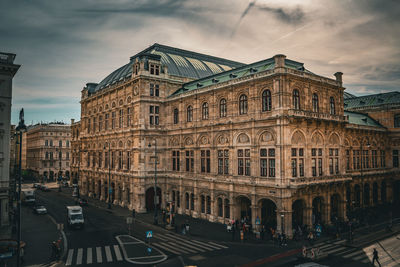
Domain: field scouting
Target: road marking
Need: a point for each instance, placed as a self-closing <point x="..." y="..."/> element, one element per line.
<point x="98" y="254"/>
<point x="218" y="245"/>
<point x="69" y="258"/>
<point x="117" y="253"/>
<point x="79" y="256"/>
<point x="334" y="250"/>
<point x="108" y="253"/>
<point x="187" y="243"/>
<point x="353" y="254"/>
<point x="167" y="249"/>
<point x="89" y="256"/>
<point x="160" y="237"/>
<point x="205" y="245"/>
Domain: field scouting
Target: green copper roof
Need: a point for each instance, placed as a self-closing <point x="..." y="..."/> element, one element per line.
<point x="361" y="119"/>
<point x="180" y="63"/>
<point x="372" y="100"/>
<point x="347" y="95"/>
<point x="245" y="70"/>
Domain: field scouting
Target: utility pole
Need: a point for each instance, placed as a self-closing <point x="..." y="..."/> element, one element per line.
<point x="20" y="128"/>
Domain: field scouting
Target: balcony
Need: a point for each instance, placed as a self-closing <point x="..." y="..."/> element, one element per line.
<point x="305" y="181"/>
<point x="317" y="115"/>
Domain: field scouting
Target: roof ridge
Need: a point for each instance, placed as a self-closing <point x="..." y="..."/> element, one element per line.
<point x="379" y="94"/>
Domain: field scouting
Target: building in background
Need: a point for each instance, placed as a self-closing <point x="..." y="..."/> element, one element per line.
<point x="75" y="151"/>
<point x="269" y="140"/>
<point x="48" y="149"/>
<point x="7" y="71"/>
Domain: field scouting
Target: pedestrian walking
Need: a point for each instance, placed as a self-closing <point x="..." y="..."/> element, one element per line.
<point x="375" y="258"/>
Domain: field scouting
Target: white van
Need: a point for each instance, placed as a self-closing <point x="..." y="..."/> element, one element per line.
<point x="75" y="216"/>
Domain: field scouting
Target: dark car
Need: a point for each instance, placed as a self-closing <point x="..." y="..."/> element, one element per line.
<point x="82" y="202"/>
<point x="39" y="209"/>
<point x="44" y="188"/>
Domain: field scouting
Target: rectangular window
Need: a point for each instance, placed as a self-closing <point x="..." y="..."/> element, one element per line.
<point x="154" y="69"/>
<point x="88" y="125"/>
<point x="333" y="161"/>
<point x="383" y="158"/>
<point x="347" y="159"/>
<point x="175" y="160"/>
<point x="205" y="161"/>
<point x="51" y="142"/>
<point x="189" y="160"/>
<point x="374" y="157"/>
<point x="100" y="123"/>
<point x="365" y="159"/>
<point x="112" y="160"/>
<point x="297" y="162"/>
<point x="267" y="162"/>
<point x="395" y="158"/>
<point x="106" y="159"/>
<point x="67" y="156"/>
<point x="120" y="160"/>
<point x="94" y="125"/>
<point x="243" y="161"/>
<point x="316" y="161"/>
<point x="128" y="160"/>
<point x="223" y="161"/>
<point x="100" y="157"/>
<point x="46" y="142"/>
<point x="154" y="113"/>
<point x="121" y="118"/>
<point x="60" y="143"/>
<point x="106" y="122"/>
<point x="128" y="117"/>
<point x="113" y="120"/>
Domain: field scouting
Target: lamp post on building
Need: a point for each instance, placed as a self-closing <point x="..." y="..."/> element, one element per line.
<point x="282" y="223"/>
<point x="20" y="128"/>
<point x="155" y="182"/>
<point x="109" y="174"/>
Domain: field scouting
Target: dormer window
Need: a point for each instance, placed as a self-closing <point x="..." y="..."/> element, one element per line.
<point x="154" y="69"/>
<point x="136" y="69"/>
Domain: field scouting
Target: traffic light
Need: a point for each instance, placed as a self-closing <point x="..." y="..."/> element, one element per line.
<point x="133" y="213"/>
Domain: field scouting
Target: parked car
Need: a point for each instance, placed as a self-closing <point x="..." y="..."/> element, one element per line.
<point x="44" y="188"/>
<point x="35" y="185"/>
<point x="82" y="202"/>
<point x="39" y="209"/>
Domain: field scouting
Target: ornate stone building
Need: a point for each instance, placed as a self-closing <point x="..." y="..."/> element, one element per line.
<point x="270" y="140"/>
<point x="7" y="71"/>
<point x="48" y="151"/>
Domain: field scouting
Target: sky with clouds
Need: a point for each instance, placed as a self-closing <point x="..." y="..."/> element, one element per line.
<point x="64" y="44"/>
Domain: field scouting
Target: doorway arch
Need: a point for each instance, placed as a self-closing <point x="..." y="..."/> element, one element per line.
<point x="383" y="192"/>
<point x="150" y="198"/>
<point x="366" y="195"/>
<point x="298" y="213"/>
<point x="317" y="210"/>
<point x="268" y="213"/>
<point x="244" y="207"/>
<point x="375" y="193"/>
<point x="335" y="207"/>
<point x="357" y="196"/>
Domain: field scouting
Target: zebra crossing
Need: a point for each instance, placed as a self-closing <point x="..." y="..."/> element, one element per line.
<point x="85" y="256"/>
<point x="178" y="245"/>
<point x="388" y="251"/>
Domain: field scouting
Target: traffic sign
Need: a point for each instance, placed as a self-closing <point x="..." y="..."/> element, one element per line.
<point x="149" y="234"/>
<point x="149" y="249"/>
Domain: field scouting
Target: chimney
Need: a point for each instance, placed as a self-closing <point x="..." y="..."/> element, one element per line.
<point x="279" y="61"/>
<point x="338" y="76"/>
<point x="72" y="121"/>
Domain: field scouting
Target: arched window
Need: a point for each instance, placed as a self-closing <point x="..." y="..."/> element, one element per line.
<point x="204" y="111"/>
<point x="203" y="204"/>
<point x="266" y="100"/>
<point x="189" y="113"/>
<point x="176" y="116"/>
<point x="191" y="201"/>
<point x="332" y="106"/>
<point x="227" y="208"/>
<point x="243" y="104"/>
<point x="296" y="99"/>
<point x="208" y="204"/>
<point x="315" y="106"/>
<point x="187" y="200"/>
<point x="222" y="108"/>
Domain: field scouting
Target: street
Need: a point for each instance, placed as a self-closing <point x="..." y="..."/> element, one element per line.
<point x="104" y="241"/>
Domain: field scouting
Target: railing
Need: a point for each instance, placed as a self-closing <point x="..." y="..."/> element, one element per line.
<point x="316" y="115"/>
<point x="319" y="180"/>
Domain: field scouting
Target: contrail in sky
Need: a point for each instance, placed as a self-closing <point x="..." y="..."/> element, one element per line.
<point x="251" y="4"/>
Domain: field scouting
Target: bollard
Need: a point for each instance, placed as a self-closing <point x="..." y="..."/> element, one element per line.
<point x="241" y="235"/>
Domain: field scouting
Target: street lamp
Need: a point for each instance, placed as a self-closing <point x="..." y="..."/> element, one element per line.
<point x="282" y="223"/>
<point x="20" y="128"/>
<point x="59" y="169"/>
<point x="109" y="174"/>
<point x="155" y="182"/>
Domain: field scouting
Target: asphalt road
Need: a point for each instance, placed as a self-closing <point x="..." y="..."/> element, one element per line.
<point x="103" y="242"/>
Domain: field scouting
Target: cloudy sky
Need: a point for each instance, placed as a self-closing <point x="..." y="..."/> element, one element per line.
<point x="64" y="44"/>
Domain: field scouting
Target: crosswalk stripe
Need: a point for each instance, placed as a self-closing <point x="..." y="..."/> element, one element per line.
<point x="69" y="257"/>
<point x="346" y="251"/>
<point x="323" y="247"/>
<point x="218" y="245"/>
<point x="160" y="237"/>
<point x="205" y="245"/>
<point x="117" y="253"/>
<point x="189" y="243"/>
<point x="365" y="260"/>
<point x="98" y="254"/>
<point x="180" y="248"/>
<point x="353" y="254"/>
<point x="89" y="256"/>
<point x="358" y="257"/>
<point x="79" y="256"/>
<point x="167" y="249"/>
<point x="335" y="250"/>
<point x="108" y="253"/>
